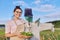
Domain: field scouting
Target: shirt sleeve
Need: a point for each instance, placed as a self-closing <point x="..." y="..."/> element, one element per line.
<point x="7" y="27"/>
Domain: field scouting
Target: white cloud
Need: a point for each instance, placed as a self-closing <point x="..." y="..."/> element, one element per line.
<point x="18" y="2"/>
<point x="44" y="8"/>
<point x="51" y="16"/>
<point x="54" y="15"/>
<point x="38" y="7"/>
<point x="36" y="2"/>
<point x="21" y="3"/>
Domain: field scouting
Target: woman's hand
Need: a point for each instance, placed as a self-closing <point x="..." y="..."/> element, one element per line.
<point x="27" y="37"/>
<point x="23" y="36"/>
<point x="20" y="36"/>
<point x="10" y="35"/>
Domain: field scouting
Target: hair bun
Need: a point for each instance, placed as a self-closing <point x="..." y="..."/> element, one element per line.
<point x="17" y="6"/>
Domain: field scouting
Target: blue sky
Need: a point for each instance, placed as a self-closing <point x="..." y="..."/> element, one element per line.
<point x="46" y="10"/>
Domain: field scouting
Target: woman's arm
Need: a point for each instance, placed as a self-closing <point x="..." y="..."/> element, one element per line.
<point x="8" y="30"/>
<point x="13" y="34"/>
<point x="10" y="35"/>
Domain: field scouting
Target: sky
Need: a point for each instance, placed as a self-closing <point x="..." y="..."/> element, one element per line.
<point x="46" y="10"/>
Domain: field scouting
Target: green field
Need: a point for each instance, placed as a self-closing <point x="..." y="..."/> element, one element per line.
<point x="49" y="35"/>
<point x="2" y="33"/>
<point x="44" y="35"/>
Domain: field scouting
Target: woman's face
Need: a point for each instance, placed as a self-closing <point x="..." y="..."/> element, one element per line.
<point x="17" y="13"/>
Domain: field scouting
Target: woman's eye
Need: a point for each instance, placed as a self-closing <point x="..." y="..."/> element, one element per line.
<point x="18" y="12"/>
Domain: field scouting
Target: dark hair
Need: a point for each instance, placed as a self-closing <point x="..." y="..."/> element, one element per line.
<point x="17" y="7"/>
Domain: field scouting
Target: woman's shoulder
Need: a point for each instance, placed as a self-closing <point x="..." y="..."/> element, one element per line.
<point x="9" y="21"/>
<point x="23" y="20"/>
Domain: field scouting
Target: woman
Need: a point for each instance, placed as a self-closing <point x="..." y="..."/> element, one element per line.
<point x="15" y="26"/>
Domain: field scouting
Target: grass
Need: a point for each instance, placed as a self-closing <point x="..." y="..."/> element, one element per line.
<point x="44" y="35"/>
<point x="2" y="33"/>
<point x="48" y="35"/>
<point x="2" y="30"/>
